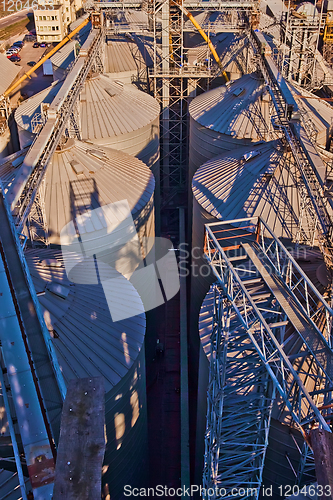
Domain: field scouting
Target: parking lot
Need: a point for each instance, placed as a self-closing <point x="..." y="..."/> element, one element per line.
<point x="37" y="80"/>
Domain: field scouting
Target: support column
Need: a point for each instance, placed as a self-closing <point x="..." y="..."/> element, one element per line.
<point x="322" y="445"/>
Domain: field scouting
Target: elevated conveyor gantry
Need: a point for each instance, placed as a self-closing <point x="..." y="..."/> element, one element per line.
<point x="271" y="335"/>
<point x="21" y="194"/>
<point x="26" y="348"/>
<point x="310" y="165"/>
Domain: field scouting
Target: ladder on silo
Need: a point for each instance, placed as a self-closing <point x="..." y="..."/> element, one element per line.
<point x="261" y="292"/>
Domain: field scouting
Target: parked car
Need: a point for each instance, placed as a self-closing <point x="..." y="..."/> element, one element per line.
<point x="43" y="44"/>
<point x="10" y="54"/>
<point x="32" y="32"/>
<point x="31" y="63"/>
<point x="19" y="44"/>
<point x="15" y="58"/>
<point x="14" y="49"/>
<point x="35" y="45"/>
<point x="29" y="38"/>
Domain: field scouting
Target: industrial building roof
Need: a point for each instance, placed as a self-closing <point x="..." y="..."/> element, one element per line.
<point x="78" y="21"/>
<point x="9" y="167"/>
<point x="132" y="19"/>
<point x="232" y="109"/>
<point x="111" y="109"/>
<point x="66" y="55"/>
<point x="26" y="111"/>
<point x="87" y="342"/>
<point x="9" y="72"/>
<point x="251" y="181"/>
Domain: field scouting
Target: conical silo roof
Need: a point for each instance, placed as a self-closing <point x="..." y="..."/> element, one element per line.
<point x="83" y="177"/>
<point x="87" y="341"/>
<point x="109" y="109"/>
<point x="232" y="109"/>
<point x="247" y="182"/>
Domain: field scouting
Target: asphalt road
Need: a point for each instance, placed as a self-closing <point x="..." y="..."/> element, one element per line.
<point x="14" y="18"/>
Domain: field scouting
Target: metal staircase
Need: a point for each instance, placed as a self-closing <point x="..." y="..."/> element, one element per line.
<point x="266" y="302"/>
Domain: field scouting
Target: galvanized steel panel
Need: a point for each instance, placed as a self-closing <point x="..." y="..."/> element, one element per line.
<point x="109" y="109"/>
<point x="86" y="340"/>
<point x="9" y="72"/>
<point x="231" y="187"/>
<point x="113" y="177"/>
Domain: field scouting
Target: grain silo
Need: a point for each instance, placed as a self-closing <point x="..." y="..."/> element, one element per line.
<point x="247" y="181"/>
<point x="121" y="117"/>
<point x="83" y="177"/>
<point x="88" y="343"/>
<point x="127" y="61"/>
<point x="31" y="113"/>
<point x="238" y="113"/>
<point x="228" y="117"/>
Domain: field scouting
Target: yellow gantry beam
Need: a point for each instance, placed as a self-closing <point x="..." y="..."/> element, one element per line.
<point x="205" y="37"/>
<point x="57" y="47"/>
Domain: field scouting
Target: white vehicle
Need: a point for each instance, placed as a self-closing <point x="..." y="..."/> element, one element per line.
<point x="11" y="51"/>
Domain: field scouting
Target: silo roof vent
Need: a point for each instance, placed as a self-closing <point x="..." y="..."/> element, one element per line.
<point x="237" y="92"/>
<point x="251" y="154"/>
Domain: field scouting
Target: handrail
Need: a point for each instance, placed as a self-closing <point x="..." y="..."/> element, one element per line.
<point x="230" y="285"/>
<point x="259" y="220"/>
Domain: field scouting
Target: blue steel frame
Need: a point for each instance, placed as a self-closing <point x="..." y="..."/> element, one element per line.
<point x="237" y="316"/>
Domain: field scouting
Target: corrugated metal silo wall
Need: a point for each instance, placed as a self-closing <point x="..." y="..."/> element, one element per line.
<point x="206" y="143"/>
<point x="126" y="455"/>
<point x="142" y="143"/>
<point x="201" y="279"/>
<point x="4" y="144"/>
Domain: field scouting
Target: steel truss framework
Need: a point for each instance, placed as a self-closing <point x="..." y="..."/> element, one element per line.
<point x="236" y="440"/>
<point x="256" y="295"/>
<point x="174" y="83"/>
<point x="13" y="458"/>
<point x="314" y="211"/>
<point x="56" y="130"/>
<point x="300" y="38"/>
